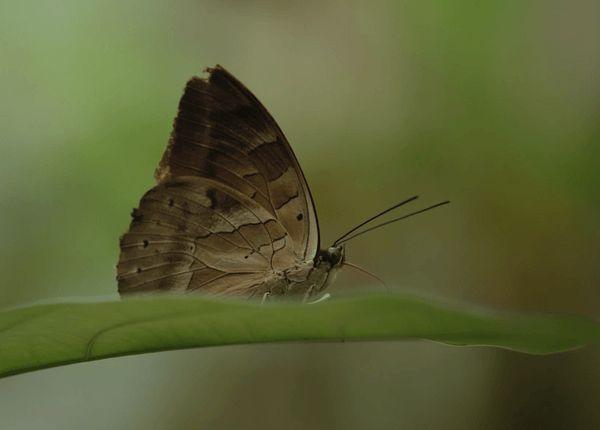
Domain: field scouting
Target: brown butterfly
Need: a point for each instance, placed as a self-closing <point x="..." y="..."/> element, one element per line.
<point x="232" y="213"/>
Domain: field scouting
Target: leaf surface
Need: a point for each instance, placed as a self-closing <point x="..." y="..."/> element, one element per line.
<point x="50" y="335"/>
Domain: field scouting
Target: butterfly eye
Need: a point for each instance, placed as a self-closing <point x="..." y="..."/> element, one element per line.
<point x="335" y="255"/>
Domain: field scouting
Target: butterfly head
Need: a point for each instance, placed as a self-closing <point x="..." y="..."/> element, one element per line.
<point x="329" y="261"/>
<point x="335" y="256"/>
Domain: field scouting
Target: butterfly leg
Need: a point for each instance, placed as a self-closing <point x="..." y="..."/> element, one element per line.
<point x="308" y="293"/>
<point x="265" y="297"/>
<point x="322" y="299"/>
<point x="251" y="295"/>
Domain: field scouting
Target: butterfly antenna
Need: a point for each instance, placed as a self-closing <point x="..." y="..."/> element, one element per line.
<point x="339" y="241"/>
<point x="367" y="272"/>
<point x="375" y="217"/>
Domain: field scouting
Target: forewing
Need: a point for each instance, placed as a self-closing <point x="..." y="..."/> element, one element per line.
<point x="224" y="133"/>
<point x="198" y="234"/>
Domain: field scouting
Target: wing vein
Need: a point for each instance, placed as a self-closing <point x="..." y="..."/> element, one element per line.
<point x="235" y="229"/>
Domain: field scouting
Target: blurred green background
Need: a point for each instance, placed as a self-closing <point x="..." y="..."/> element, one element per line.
<point x="493" y="105"/>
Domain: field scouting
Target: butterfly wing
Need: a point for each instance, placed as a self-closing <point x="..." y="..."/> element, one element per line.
<point x="196" y="233"/>
<point x="224" y="133"/>
<point x="231" y="206"/>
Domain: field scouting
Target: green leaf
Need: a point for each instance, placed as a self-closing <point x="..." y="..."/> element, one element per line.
<point x="44" y="336"/>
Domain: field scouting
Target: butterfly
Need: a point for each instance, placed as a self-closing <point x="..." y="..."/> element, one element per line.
<point x="231" y="213"/>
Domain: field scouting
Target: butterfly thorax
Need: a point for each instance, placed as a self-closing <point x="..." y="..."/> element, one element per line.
<point x="307" y="278"/>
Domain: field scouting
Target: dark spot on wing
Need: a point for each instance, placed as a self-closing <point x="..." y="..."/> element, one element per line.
<point x="299" y="217"/>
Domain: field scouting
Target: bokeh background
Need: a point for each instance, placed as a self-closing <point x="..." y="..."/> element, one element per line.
<point x="493" y="105"/>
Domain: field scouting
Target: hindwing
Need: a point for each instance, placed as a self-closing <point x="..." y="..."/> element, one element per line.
<point x="193" y="233"/>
